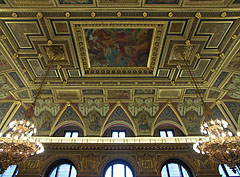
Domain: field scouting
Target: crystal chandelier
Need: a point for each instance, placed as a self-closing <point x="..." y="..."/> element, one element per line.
<point x="18" y="145"/>
<point x="220" y="144"/>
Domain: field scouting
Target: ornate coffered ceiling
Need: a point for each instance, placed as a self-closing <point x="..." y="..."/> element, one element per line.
<point x="126" y="53"/>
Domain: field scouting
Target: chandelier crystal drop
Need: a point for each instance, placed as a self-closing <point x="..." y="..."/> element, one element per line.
<point x="18" y="144"/>
<point x="220" y="144"/>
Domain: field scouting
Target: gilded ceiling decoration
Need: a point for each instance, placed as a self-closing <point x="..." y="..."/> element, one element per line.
<point x="119" y="61"/>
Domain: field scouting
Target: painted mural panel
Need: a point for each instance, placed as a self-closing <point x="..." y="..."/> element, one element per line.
<point x="118" y="47"/>
<point x="118" y="1"/>
<point x="17" y="79"/>
<point x="235" y="63"/>
<point x="4" y="65"/>
<point x="5" y="87"/>
<point x="4" y="107"/>
<point x="220" y="78"/>
<point x="119" y="115"/>
<point x="119" y="94"/>
<point x="233" y="87"/>
<point x="75" y="1"/>
<point x="162" y="1"/>
<point x="69" y="115"/>
<point x="234" y="108"/>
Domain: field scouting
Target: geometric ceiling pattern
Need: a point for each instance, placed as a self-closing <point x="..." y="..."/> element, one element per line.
<point x="125" y="54"/>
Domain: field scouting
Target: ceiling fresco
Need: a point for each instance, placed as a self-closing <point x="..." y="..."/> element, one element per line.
<point x="119" y="62"/>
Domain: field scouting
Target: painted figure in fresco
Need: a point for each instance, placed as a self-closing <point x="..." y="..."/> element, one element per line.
<point x="234" y="87"/>
<point x="192" y="121"/>
<point x="143" y="123"/>
<point x="94" y="122"/>
<point x="4" y="88"/>
<point x="119" y="47"/>
<point x="45" y="121"/>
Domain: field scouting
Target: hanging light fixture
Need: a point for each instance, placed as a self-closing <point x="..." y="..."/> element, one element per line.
<point x="18" y="144"/>
<point x="220" y="144"/>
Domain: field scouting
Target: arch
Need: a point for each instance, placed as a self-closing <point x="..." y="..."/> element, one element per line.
<point x="220" y="114"/>
<point x="171" y="123"/>
<point x="118" y="123"/>
<point x="181" y="162"/>
<point x="53" y="161"/>
<point x="61" y="113"/>
<point x="107" y="161"/>
<point x="68" y="123"/>
<point x="119" y="106"/>
<point x="17" y="112"/>
<point x="179" y="123"/>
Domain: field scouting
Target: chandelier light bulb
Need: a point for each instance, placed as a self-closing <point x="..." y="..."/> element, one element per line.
<point x="18" y="145"/>
<point x="224" y="135"/>
<point x="8" y="135"/>
<point x="212" y="122"/>
<point x="220" y="144"/>
<point x="230" y="134"/>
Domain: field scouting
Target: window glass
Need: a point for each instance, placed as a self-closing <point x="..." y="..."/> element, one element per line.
<point x="53" y="174"/>
<point x="74" y="134"/>
<point x="11" y="171"/>
<point x="224" y="168"/>
<point x="128" y="172"/>
<point x="184" y="171"/>
<point x="114" y="134"/>
<point x="63" y="170"/>
<point x="118" y="170"/>
<point x="221" y="172"/>
<point x="164" y="172"/>
<point x="170" y="133"/>
<point x="122" y="134"/>
<point x="73" y="172"/>
<point x="108" y="172"/>
<point x="67" y="134"/>
<point x="118" y="134"/>
<point x="163" y="133"/>
<point x="173" y="169"/>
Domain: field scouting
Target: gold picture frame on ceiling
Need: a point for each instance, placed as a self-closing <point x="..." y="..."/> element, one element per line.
<point x="85" y="33"/>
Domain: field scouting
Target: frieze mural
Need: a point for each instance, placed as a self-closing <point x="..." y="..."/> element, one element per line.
<point x="140" y="104"/>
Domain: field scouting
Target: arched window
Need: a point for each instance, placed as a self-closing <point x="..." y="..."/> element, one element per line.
<point x="175" y="168"/>
<point x="118" y="168"/>
<point x="69" y="131"/>
<point x="62" y="168"/>
<point x="225" y="171"/>
<point x="118" y="131"/>
<point x="167" y="130"/>
<point x="11" y="171"/>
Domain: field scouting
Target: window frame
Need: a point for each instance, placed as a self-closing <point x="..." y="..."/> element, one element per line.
<point x="118" y="131"/>
<point x="71" y="131"/>
<point x="166" y="132"/>
<point x="118" y="161"/>
<point x="15" y="172"/>
<point x="180" y="165"/>
<point x="225" y="170"/>
<point x="56" y="164"/>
